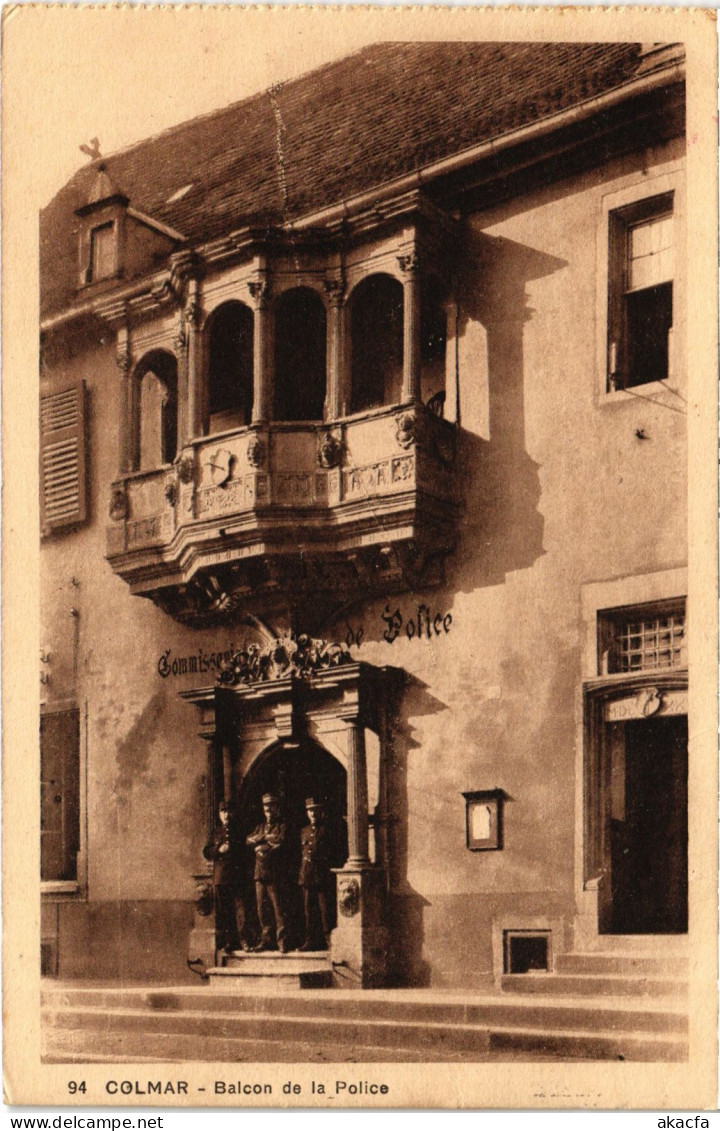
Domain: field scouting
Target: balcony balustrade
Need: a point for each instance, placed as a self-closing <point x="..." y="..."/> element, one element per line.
<point x="263" y="516"/>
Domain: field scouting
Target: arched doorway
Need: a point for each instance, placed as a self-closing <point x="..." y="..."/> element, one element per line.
<point x="293" y="772"/>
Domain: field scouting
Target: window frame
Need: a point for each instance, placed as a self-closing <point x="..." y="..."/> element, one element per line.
<point x="622" y="222"/>
<point x="628" y="202"/>
<point x="73" y="888"/>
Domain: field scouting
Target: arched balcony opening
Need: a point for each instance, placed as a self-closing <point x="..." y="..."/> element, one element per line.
<point x="377" y="343"/>
<point x="433" y="343"/>
<point x="156" y="415"/>
<point x="300" y="355"/>
<point x="230" y="367"/>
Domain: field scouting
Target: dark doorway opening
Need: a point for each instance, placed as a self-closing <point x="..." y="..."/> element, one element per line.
<point x="649" y="826"/>
<point x="293" y="772"/>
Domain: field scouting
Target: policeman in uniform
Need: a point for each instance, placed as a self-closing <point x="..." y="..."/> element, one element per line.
<point x="315" y="876"/>
<point x="224" y="851"/>
<point x="269" y="840"/>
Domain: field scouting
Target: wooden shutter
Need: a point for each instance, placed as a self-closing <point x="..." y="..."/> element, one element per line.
<point x="63" y="487"/>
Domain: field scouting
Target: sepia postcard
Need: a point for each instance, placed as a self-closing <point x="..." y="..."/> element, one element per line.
<point x="359" y="436"/>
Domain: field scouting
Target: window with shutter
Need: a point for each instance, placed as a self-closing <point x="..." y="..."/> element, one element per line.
<point x="63" y="488"/>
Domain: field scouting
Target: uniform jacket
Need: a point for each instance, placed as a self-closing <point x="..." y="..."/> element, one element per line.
<point x="269" y="842"/>
<point x="315" y="858"/>
<point x="226" y="865"/>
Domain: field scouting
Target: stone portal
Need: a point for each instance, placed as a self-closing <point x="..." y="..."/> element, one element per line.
<point x="297" y="733"/>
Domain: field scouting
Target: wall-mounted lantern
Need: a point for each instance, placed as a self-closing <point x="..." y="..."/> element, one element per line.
<point x="483" y="819"/>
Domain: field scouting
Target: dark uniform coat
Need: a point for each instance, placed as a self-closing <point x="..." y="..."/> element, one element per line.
<point x="269" y="842"/>
<point x="226" y="865"/>
<point x="316" y="856"/>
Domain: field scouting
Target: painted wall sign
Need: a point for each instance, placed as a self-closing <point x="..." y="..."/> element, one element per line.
<point x="424" y="624"/>
<point x="199" y="662"/>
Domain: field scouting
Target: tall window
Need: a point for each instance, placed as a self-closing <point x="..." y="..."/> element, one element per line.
<point x="641" y="292"/>
<point x="230" y="367"/>
<point x="300" y="355"/>
<point x="156" y="410"/>
<point x="60" y="794"/>
<point x="377" y="343"/>
<point x="102" y="252"/>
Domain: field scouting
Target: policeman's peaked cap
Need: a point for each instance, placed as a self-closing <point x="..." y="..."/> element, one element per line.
<point x="311" y="803"/>
<point x="268" y="797"/>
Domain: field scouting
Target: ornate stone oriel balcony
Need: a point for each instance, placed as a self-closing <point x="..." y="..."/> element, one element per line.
<point x="264" y="517"/>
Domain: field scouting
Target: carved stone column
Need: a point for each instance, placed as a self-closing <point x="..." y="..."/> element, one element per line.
<point x="358" y="947"/>
<point x="262" y="352"/>
<point x="202" y="941"/>
<point x="180" y="344"/>
<point x="336" y="396"/>
<point x="357" y="790"/>
<point x="123" y="359"/>
<point x="410" y="268"/>
<point x="195" y="376"/>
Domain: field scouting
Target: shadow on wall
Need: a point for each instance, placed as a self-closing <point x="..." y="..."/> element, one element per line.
<point x="502" y="530"/>
<point x="406" y="963"/>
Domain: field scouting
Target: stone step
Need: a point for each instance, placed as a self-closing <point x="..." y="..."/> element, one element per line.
<point x="582" y="1044"/>
<point x="67" y="1047"/>
<point x="75" y="1034"/>
<point x="675" y="966"/>
<point x="331" y="1031"/>
<point x="601" y="984"/>
<point x="163" y="1012"/>
<point x="661" y="946"/>
<point x="269" y="969"/>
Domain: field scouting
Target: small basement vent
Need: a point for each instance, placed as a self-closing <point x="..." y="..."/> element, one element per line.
<point x="527" y="952"/>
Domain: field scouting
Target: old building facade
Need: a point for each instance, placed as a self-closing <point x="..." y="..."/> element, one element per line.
<point x="363" y="471"/>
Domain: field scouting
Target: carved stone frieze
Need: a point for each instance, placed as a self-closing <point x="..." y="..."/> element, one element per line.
<point x="222" y="499"/>
<point x="186" y="469"/>
<point x="405" y="429"/>
<point x="335" y="291"/>
<point x="409" y="264"/>
<point x="329" y="451"/>
<point x="123" y="360"/>
<point x="256" y="451"/>
<point x="118" y="504"/>
<point x="348" y="897"/>
<point x="300" y="656"/>
<point x="259" y="291"/>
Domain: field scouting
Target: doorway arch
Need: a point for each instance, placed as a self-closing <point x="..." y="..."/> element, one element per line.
<point x="293" y="772"/>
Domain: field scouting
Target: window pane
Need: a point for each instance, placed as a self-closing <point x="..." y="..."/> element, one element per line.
<point x="650" y="252"/>
<point x="102" y="259"/>
<point x="648" y="321"/>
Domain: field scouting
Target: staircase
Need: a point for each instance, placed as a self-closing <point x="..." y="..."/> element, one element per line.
<point x="272" y="970"/>
<point x="595" y="1006"/>
<point x="632" y="982"/>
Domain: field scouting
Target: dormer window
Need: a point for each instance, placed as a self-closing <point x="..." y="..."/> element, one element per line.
<point x="102" y="253"/>
<point x="103" y="222"/>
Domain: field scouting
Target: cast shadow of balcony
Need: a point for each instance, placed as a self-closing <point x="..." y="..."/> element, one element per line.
<point x="502" y="528"/>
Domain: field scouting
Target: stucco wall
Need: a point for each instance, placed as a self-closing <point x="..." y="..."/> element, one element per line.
<point x="558" y="491"/>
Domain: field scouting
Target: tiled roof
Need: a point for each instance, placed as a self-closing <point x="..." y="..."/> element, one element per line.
<point x="338" y="131"/>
